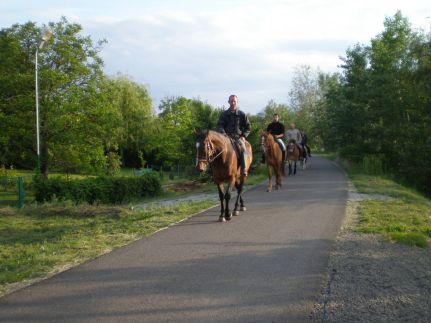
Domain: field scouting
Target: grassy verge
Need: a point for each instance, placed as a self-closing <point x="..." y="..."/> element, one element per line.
<point x="405" y="217"/>
<point x="39" y="240"/>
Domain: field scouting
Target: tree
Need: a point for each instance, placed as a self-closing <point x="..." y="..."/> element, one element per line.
<point x="77" y="119"/>
<point x="133" y="103"/>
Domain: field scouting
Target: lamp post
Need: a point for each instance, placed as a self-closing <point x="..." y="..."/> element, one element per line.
<point x="46" y="36"/>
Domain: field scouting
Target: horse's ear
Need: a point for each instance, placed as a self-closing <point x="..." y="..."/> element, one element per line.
<point x="195" y="133"/>
<point x="208" y="132"/>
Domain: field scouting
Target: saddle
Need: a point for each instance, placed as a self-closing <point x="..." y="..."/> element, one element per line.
<point x="237" y="148"/>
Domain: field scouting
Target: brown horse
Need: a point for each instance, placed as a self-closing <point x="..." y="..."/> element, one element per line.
<point x="274" y="159"/>
<point x="217" y="150"/>
<point x="292" y="155"/>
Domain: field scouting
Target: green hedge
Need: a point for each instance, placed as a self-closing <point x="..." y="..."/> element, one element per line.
<point x="106" y="190"/>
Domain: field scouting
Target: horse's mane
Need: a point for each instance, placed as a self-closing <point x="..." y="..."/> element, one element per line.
<point x="218" y="135"/>
<point x="270" y="142"/>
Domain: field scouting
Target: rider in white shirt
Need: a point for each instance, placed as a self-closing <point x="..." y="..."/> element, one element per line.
<point x="294" y="135"/>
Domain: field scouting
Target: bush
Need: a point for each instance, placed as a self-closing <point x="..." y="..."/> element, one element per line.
<point x="106" y="190"/>
<point x="372" y="165"/>
<point x="113" y="164"/>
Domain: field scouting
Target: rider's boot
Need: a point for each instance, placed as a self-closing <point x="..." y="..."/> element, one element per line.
<point x="242" y="161"/>
<point x="263" y="158"/>
<point x="283" y="156"/>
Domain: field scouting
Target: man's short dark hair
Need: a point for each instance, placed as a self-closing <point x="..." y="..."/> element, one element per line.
<point x="233" y="95"/>
<point x="275" y="114"/>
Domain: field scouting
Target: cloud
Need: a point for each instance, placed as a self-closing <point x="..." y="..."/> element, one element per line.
<point x="211" y="49"/>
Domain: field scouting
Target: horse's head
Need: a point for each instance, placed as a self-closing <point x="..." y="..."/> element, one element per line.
<point x="204" y="150"/>
<point x="291" y="146"/>
<point x="266" y="139"/>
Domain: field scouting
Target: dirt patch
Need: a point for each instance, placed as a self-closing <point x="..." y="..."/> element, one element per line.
<point x="186" y="186"/>
<point x="371" y="280"/>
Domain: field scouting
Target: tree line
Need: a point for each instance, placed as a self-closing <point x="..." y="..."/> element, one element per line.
<point x="377" y="108"/>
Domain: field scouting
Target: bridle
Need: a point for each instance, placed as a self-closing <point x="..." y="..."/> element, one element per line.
<point x="264" y="143"/>
<point x="209" y="151"/>
<point x="291" y="146"/>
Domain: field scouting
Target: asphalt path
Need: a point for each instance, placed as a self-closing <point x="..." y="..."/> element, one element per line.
<point x="266" y="265"/>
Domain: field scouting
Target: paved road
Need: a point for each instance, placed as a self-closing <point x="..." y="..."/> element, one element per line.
<point x="266" y="265"/>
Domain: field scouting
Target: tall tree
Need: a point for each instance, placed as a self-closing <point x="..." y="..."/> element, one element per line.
<point x="77" y="119"/>
<point x="133" y="102"/>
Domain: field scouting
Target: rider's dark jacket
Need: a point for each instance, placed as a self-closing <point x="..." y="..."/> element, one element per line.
<point x="233" y="123"/>
<point x="275" y="128"/>
<point x="304" y="139"/>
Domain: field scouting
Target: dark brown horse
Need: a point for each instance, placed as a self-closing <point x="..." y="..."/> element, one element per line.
<point x="217" y="150"/>
<point x="293" y="154"/>
<point x="274" y="159"/>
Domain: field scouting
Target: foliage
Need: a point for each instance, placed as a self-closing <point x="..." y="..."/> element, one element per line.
<point x="77" y="119"/>
<point x="380" y="106"/>
<point x="133" y="103"/>
<point x="173" y="138"/>
<point x="107" y="190"/>
<point x="113" y="162"/>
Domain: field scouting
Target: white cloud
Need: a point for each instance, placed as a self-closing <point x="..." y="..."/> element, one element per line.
<point x="211" y="49"/>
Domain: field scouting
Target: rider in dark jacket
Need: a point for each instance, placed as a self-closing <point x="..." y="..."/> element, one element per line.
<point x="277" y="130"/>
<point x="305" y="143"/>
<point x="235" y="124"/>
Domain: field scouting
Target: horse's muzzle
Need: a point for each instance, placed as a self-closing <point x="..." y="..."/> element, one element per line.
<point x="201" y="166"/>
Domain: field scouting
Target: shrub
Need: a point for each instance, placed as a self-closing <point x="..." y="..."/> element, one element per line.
<point x="107" y="190"/>
<point x="113" y="164"/>
<point x="372" y="165"/>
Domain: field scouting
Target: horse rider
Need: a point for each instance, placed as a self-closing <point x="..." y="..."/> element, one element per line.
<point x="276" y="129"/>
<point x="295" y="135"/>
<point x="234" y="123"/>
<point x="305" y="143"/>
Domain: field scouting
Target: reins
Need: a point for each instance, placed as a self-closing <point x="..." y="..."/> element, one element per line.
<point x="209" y="151"/>
<point x="210" y="160"/>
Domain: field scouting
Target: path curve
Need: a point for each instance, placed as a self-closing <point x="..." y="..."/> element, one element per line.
<point x="267" y="265"/>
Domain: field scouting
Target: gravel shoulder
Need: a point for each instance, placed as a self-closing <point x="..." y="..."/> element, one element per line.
<point x="371" y="280"/>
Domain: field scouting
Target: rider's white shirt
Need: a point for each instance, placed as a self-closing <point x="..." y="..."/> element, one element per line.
<point x="294" y="134"/>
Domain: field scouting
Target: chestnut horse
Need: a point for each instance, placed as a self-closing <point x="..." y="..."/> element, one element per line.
<point x="216" y="150"/>
<point x="274" y="159"/>
<point x="292" y="155"/>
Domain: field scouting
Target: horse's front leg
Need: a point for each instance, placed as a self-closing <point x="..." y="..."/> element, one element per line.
<point x="239" y="187"/>
<point x="221" y="196"/>
<point x="269" y="189"/>
<point x="294" y="168"/>
<point x="227" y="196"/>
<point x="242" y="204"/>
<point x="290" y="167"/>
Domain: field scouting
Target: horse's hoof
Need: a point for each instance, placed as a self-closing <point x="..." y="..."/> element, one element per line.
<point x="228" y="218"/>
<point x="243" y="208"/>
<point x="268" y="190"/>
<point x="221" y="219"/>
<point x="236" y="213"/>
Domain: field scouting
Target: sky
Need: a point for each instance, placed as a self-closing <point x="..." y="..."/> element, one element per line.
<point x="211" y="49"/>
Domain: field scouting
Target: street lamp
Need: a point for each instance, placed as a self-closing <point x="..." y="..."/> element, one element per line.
<point x="45" y="37"/>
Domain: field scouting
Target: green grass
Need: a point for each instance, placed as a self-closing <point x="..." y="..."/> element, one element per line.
<point x="38" y="240"/>
<point x="407" y="222"/>
<point x="42" y="239"/>
<point x="404" y="218"/>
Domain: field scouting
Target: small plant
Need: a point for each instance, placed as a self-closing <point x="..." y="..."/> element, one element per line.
<point x="113" y="163"/>
<point x="372" y="165"/>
